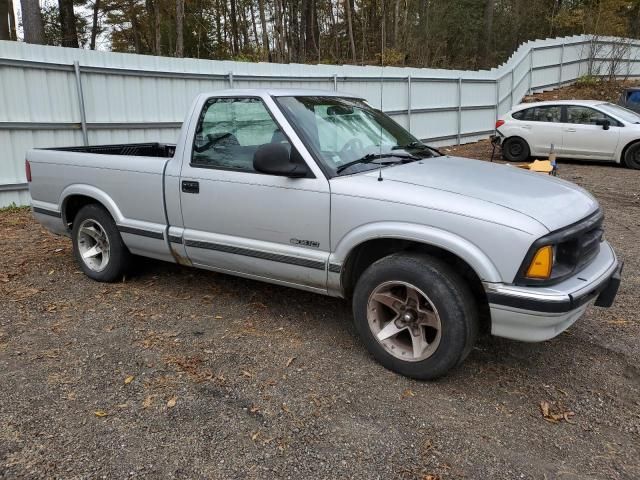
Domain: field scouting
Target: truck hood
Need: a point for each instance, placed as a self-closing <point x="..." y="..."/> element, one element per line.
<point x="553" y="202"/>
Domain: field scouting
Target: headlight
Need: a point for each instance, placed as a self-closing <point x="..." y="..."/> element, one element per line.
<point x="561" y="253"/>
<point x="542" y="264"/>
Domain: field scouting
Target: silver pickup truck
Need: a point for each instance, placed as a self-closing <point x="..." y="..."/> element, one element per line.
<point x="318" y="191"/>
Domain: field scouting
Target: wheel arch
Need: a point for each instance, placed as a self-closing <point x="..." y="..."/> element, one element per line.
<point x="519" y="137"/>
<point x="623" y="152"/>
<point x="74" y="197"/>
<point x="358" y="250"/>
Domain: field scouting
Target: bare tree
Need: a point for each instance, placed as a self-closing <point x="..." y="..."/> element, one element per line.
<point x="12" y="21"/>
<point x="352" y="43"/>
<point x="32" y="21"/>
<point x="234" y="28"/>
<point x="485" y="40"/>
<point x="94" y="24"/>
<point x="180" y="28"/>
<point x="265" y="34"/>
<point x="68" y="24"/>
<point x="4" y="20"/>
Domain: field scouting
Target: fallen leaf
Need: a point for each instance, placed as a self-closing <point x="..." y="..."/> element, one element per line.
<point x="285" y="408"/>
<point x="147" y="402"/>
<point x="254" y="409"/>
<point x="247" y="374"/>
<point x="100" y="413"/>
<point x="290" y="361"/>
<point x="407" y="393"/>
<point x="218" y="317"/>
<point x="255" y="435"/>
<point x="128" y="380"/>
<point x="172" y="402"/>
<point x="555" y="415"/>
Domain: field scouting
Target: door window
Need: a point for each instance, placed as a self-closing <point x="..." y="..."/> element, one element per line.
<point x="229" y="132"/>
<point x="586" y="116"/>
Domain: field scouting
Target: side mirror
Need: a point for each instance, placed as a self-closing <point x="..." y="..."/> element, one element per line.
<point x="604" y="123"/>
<point x="275" y="159"/>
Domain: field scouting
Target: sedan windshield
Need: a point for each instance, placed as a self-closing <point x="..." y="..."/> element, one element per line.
<point x="620" y="112"/>
<point x="348" y="136"/>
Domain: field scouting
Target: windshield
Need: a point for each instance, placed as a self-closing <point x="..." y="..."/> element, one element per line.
<point x="348" y="136"/>
<point x="620" y="112"/>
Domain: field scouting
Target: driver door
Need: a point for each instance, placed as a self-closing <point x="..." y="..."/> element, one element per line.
<point x="239" y="221"/>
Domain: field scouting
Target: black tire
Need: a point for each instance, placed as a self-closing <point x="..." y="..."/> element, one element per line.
<point x="118" y="258"/>
<point x="515" y="149"/>
<point x="632" y="157"/>
<point x="451" y="299"/>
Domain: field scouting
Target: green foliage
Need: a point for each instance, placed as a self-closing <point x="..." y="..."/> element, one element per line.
<point x="13" y="208"/>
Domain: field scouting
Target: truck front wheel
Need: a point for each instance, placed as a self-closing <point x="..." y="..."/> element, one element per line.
<point x="415" y="314"/>
<point x="97" y="245"/>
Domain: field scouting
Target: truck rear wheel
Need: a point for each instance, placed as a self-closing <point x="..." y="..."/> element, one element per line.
<point x="415" y="314"/>
<point x="97" y="245"/>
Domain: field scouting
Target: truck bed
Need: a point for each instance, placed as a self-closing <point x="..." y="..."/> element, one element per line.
<point x="163" y="150"/>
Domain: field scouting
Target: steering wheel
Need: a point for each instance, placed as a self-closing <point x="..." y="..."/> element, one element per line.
<point x="352" y="148"/>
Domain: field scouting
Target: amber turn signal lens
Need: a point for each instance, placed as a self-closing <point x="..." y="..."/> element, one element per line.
<point x="541" y="264"/>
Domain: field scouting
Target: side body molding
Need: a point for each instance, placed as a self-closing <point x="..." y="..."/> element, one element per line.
<point x="463" y="248"/>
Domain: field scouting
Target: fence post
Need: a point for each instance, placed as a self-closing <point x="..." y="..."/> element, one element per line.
<point x="533" y="49"/>
<point x="230" y="77"/>
<point x="497" y="98"/>
<point x="409" y="103"/>
<point x="459" y="122"/>
<point x="83" y="114"/>
<point x="561" y="65"/>
<point x="512" y="87"/>
<point x="335" y="82"/>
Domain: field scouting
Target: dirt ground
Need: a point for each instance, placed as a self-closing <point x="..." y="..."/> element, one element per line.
<point x="181" y="373"/>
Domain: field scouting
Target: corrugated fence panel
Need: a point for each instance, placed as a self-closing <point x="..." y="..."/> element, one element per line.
<point x="139" y="98"/>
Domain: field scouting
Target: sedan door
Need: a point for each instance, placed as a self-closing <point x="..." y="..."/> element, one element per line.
<point x="583" y="136"/>
<point x="541" y="127"/>
<point x="240" y="221"/>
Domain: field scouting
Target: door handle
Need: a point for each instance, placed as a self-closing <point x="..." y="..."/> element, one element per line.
<point x="189" y="186"/>
<point x="570" y="130"/>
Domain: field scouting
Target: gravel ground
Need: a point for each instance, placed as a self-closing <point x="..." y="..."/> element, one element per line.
<point x="181" y="373"/>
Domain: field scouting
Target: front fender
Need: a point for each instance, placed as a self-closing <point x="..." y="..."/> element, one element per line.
<point x="466" y="250"/>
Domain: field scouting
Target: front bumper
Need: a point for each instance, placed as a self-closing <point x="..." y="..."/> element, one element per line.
<point x="534" y="314"/>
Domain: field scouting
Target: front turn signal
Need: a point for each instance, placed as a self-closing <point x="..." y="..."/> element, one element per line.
<point x="541" y="264"/>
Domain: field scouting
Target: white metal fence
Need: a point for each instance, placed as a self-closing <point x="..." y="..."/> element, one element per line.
<point x="52" y="96"/>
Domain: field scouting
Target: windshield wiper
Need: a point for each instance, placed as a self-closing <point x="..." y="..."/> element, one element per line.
<point x="416" y="144"/>
<point x="370" y="157"/>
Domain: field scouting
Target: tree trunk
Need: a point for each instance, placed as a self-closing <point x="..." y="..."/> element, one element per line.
<point x="68" y="24"/>
<point x="234" y="28"/>
<point x="485" y="40"/>
<point x="254" y="26"/>
<point x="396" y="23"/>
<point x="4" y="20"/>
<point x="12" y="21"/>
<point x="352" y="43"/>
<point x="153" y="10"/>
<point x="245" y="27"/>
<point x="180" y="28"/>
<point x="265" y="34"/>
<point x="32" y="22"/>
<point x="94" y="24"/>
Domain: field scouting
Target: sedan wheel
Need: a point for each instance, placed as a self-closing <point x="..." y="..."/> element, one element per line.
<point x="515" y="149"/>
